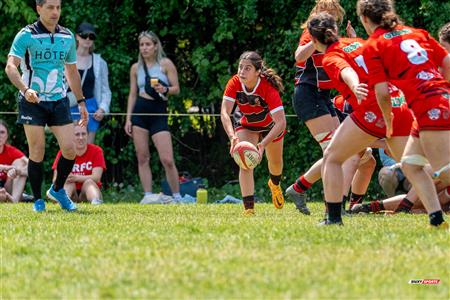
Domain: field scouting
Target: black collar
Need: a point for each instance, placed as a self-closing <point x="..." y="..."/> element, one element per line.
<point x="44" y="29"/>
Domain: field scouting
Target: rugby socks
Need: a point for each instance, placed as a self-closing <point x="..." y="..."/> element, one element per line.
<point x="355" y="199"/>
<point x="36" y="176"/>
<point x="376" y="206"/>
<point x="301" y="185"/>
<point x="275" y="179"/>
<point x="63" y="170"/>
<point x="334" y="212"/>
<point x="436" y="218"/>
<point x="404" y="206"/>
<point x="249" y="202"/>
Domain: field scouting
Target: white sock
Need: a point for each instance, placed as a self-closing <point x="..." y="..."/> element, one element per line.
<point x="148" y="193"/>
<point x="176" y="196"/>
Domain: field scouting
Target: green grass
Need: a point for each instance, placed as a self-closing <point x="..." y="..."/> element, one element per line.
<point x="212" y="251"/>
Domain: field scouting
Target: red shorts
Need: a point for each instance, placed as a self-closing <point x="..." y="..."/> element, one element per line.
<point x="370" y="119"/>
<point x="432" y="113"/>
<point x="415" y="129"/>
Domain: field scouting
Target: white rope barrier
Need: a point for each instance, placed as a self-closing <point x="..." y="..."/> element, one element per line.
<point x="150" y="114"/>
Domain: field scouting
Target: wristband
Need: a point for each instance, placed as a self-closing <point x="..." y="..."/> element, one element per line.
<point x="25" y="91"/>
<point x="167" y="91"/>
<point x="82" y="100"/>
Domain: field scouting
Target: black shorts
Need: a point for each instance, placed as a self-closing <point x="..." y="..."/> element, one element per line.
<point x="309" y="102"/>
<point x="153" y="124"/>
<point x="50" y="113"/>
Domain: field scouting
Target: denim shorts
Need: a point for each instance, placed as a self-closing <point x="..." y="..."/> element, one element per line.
<point x="92" y="107"/>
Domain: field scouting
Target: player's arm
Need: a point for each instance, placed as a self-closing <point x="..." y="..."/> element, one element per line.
<point x="445" y="67"/>
<point x="225" y="117"/>
<point x="385" y="104"/>
<point x="303" y="52"/>
<point x="351" y="79"/>
<point x="14" y="76"/>
<point x="96" y="176"/>
<point x="279" y="119"/>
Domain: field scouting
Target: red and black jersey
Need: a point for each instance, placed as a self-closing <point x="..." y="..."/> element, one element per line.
<point x="409" y="58"/>
<point x="311" y="71"/>
<point x="256" y="105"/>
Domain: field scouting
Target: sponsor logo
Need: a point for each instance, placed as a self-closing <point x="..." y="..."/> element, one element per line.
<point x="393" y="34"/>
<point x="26" y="118"/>
<point x="370" y="116"/>
<point x="352" y="47"/>
<point x="80" y="168"/>
<point x="425" y="75"/>
<point x="424" y="281"/>
<point x="434" y="114"/>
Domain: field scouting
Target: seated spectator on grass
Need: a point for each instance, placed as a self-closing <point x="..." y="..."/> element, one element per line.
<point x="13" y="169"/>
<point x="390" y="177"/>
<point x="84" y="182"/>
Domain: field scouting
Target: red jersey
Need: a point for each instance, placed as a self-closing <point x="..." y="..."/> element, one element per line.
<point x="256" y="105"/>
<point x="7" y="157"/>
<point x="84" y="164"/>
<point x="311" y="71"/>
<point x="409" y="58"/>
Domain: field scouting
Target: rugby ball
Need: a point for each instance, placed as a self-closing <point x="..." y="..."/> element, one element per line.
<point x="246" y="155"/>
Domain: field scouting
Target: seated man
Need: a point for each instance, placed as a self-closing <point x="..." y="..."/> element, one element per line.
<point x="13" y="169"/>
<point x="84" y="182"/>
<point x="390" y="177"/>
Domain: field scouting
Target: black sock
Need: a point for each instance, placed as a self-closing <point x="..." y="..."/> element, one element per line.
<point x="334" y="212"/>
<point x="249" y="202"/>
<point x="275" y="179"/>
<point x="404" y="206"/>
<point x="355" y="199"/>
<point x="63" y="170"/>
<point x="36" y="176"/>
<point x="436" y="218"/>
<point x="344" y="201"/>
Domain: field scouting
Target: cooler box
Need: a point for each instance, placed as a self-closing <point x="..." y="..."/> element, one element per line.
<point x="188" y="187"/>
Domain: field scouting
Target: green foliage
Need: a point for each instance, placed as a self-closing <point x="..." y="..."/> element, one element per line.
<point x="204" y="39"/>
<point x="125" y="251"/>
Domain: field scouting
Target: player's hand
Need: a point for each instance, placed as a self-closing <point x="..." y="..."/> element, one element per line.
<point x="351" y="33"/>
<point x="234" y="140"/>
<point x="389" y="126"/>
<point x="12" y="173"/>
<point x="31" y="96"/>
<point x="99" y="114"/>
<point x="361" y="91"/>
<point x="261" y="148"/>
<point x="128" y="128"/>
<point x="5" y="167"/>
<point x="83" y="115"/>
<point x="71" y="178"/>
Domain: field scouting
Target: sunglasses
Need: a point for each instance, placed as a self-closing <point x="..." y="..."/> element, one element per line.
<point x="84" y="36"/>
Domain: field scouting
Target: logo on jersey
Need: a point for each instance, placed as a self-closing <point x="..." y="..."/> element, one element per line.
<point x="352" y="47"/>
<point x="370" y="116"/>
<point x="434" y="114"/>
<point x="393" y="34"/>
<point x="80" y="168"/>
<point x="425" y="75"/>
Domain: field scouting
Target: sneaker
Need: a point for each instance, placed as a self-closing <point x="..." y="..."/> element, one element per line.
<point x="361" y="209"/>
<point x="156" y="199"/>
<point x="277" y="195"/>
<point x="39" y="205"/>
<point x="442" y="226"/>
<point x="62" y="198"/>
<point x="327" y="222"/>
<point x="97" y="202"/>
<point x="249" y="212"/>
<point x="27" y="198"/>
<point x="299" y="200"/>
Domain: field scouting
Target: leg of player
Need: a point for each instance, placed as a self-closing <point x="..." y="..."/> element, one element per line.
<point x="349" y="168"/>
<point x="413" y="162"/>
<point x="36" y="146"/>
<point x="274" y="155"/>
<point x="163" y="144"/>
<point x="348" y="140"/>
<point x="246" y="180"/>
<point x="361" y="180"/>
<point x="91" y="192"/>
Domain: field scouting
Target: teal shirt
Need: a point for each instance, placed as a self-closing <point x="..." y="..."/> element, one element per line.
<point x="43" y="55"/>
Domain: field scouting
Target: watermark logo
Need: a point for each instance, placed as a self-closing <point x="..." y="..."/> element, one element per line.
<point x="424" y="281"/>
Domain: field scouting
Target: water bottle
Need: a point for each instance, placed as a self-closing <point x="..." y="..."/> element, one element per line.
<point x="202" y="194"/>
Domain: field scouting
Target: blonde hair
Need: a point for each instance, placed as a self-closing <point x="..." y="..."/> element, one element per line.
<point x="333" y="7"/>
<point x="159" y="49"/>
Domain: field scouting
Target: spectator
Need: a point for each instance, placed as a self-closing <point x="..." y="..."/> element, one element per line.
<point x="152" y="79"/>
<point x="13" y="169"/>
<point x="94" y="80"/>
<point x="390" y="177"/>
<point x="84" y="182"/>
<point x="444" y="36"/>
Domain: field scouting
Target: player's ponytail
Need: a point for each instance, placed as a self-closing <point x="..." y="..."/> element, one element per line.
<point x="380" y="12"/>
<point x="323" y="27"/>
<point x="272" y="77"/>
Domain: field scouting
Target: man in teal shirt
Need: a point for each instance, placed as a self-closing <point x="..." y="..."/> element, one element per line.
<point x="46" y="53"/>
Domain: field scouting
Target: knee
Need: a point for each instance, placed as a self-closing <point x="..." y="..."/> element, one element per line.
<point x="68" y="151"/>
<point x="37" y="152"/>
<point x="143" y="158"/>
<point x="168" y="162"/>
<point x="369" y="164"/>
<point x="89" y="182"/>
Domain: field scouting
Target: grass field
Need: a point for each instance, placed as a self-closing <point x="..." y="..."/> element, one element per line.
<point x="212" y="251"/>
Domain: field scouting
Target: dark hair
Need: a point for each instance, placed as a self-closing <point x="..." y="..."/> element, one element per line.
<point x="323" y="27"/>
<point x="444" y="33"/>
<point x="40" y="2"/>
<point x="267" y="72"/>
<point x="3" y="123"/>
<point x="380" y="12"/>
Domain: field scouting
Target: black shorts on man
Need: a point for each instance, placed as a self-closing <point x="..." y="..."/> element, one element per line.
<point x="50" y="113"/>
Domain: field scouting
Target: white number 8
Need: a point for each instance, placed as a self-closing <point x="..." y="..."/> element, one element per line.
<point x="416" y="54"/>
